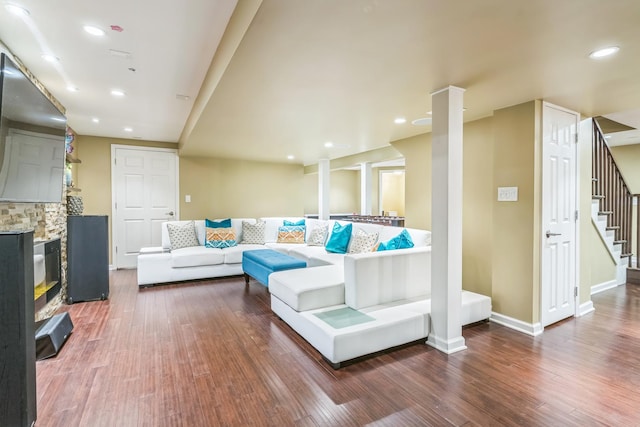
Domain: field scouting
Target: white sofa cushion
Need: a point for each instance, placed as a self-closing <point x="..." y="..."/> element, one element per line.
<point x="233" y="255"/>
<point x="196" y="256"/>
<point x="308" y="288"/>
<point x="382" y="277"/>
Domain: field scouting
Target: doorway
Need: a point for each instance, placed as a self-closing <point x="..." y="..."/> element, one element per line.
<point x="392" y="187"/>
<point x="144" y="184"/>
<point x="559" y="257"/>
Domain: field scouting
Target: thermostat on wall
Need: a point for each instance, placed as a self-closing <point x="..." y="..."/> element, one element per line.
<point x="507" y="194"/>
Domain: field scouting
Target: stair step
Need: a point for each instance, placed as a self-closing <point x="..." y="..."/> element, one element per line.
<point x="619" y="242"/>
<point x="594" y="179"/>
<point x="626" y="255"/>
<point x="605" y="213"/>
<point x="597" y="197"/>
<point x="613" y="227"/>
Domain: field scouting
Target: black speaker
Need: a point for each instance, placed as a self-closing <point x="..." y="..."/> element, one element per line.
<point x="51" y="335"/>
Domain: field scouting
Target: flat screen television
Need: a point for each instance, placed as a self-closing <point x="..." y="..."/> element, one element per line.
<point x="32" y="140"/>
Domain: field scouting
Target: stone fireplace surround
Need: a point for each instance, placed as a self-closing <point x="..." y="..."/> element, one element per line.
<point x="48" y="220"/>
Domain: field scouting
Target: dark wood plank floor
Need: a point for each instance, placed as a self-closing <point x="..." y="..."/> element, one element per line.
<point x="210" y="353"/>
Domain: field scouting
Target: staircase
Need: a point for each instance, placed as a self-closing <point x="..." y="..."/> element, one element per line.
<point x="612" y="206"/>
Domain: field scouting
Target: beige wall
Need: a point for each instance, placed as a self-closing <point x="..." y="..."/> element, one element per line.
<point x="221" y="188"/>
<point x="515" y="266"/>
<point x="417" y="160"/>
<point x="93" y="175"/>
<point x="344" y="192"/>
<point x="393" y="191"/>
<point x="477" y="213"/>
<point x="627" y="158"/>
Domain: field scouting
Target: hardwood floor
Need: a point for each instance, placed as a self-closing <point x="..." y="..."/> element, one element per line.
<point x="209" y="353"/>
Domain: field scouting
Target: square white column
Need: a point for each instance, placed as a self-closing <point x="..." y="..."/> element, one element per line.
<point x="446" y="220"/>
<point x="366" y="205"/>
<point x="324" y="173"/>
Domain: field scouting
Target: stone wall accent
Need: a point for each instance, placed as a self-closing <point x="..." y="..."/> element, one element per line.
<point x="48" y="221"/>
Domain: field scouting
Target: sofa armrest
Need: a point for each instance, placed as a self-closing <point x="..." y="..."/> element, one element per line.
<point x="382" y="277"/>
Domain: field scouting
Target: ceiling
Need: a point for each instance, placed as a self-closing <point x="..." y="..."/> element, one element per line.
<point x="276" y="78"/>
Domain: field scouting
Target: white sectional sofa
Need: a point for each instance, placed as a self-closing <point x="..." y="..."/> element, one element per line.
<point x="346" y="305"/>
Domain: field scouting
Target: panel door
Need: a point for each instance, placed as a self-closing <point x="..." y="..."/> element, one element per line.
<point x="559" y="215"/>
<point x="145" y="195"/>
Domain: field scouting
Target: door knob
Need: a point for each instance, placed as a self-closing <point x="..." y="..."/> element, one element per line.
<point x="169" y="213"/>
<point x="549" y="234"/>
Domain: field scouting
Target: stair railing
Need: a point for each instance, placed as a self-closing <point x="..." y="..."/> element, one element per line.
<point x="616" y="201"/>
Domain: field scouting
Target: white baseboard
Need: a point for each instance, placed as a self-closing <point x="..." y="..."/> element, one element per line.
<point x="585" y="308"/>
<point x="533" y="329"/>
<point x="446" y="346"/>
<point x="604" y="286"/>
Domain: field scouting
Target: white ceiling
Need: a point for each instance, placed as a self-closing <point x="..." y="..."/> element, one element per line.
<point x="290" y="75"/>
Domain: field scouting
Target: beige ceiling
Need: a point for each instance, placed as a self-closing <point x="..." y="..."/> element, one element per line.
<point x="290" y="75"/>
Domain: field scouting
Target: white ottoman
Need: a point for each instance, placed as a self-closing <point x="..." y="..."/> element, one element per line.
<point x="309" y="288"/>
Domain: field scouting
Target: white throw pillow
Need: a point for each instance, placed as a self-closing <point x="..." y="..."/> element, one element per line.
<point x="318" y="236"/>
<point x="182" y="235"/>
<point x="362" y="242"/>
<point x="253" y="233"/>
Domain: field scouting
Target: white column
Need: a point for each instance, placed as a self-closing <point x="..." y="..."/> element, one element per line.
<point x="323" y="188"/>
<point x="366" y="205"/>
<point x="446" y="220"/>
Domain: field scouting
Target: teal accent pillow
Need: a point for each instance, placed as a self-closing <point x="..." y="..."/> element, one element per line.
<point x="223" y="223"/>
<point x="401" y="241"/>
<point x="292" y="223"/>
<point x="339" y="240"/>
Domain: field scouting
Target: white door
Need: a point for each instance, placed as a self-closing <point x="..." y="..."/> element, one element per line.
<point x="145" y="194"/>
<point x="559" y="214"/>
<point x="33" y="167"/>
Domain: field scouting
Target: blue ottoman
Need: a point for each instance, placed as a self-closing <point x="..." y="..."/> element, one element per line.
<point x="260" y="263"/>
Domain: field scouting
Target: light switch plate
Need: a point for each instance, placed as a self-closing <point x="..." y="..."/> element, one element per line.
<point x="507" y="194"/>
<point x="187" y="198"/>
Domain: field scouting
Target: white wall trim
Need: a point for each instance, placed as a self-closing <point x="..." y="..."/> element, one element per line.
<point x="446" y="346"/>
<point x="533" y="329"/>
<point x="605" y="286"/>
<point x="585" y="308"/>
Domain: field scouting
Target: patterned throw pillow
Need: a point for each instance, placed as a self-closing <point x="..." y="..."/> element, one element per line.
<point x="253" y="233"/>
<point x="221" y="238"/>
<point x="287" y="222"/>
<point x="182" y="235"/>
<point x="291" y="234"/>
<point x="362" y="242"/>
<point x="317" y="236"/>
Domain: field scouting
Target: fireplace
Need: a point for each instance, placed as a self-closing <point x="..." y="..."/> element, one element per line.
<point x="47" y="271"/>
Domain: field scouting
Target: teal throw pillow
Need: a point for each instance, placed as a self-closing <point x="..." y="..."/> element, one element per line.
<point x="292" y="223"/>
<point x="339" y="240"/>
<point x="401" y="241"/>
<point x="222" y="223"/>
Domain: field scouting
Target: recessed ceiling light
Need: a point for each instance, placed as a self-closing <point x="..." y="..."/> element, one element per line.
<point x="128" y="129"/>
<point x="71" y="88"/>
<point x="94" y="31"/>
<point x="328" y="144"/>
<point x="601" y="53"/>
<point x="400" y="120"/>
<point x="117" y="92"/>
<point x="290" y="157"/>
<point x="16" y="10"/>
<point x="50" y="58"/>
<point x="424" y="121"/>
<point x="95" y="120"/>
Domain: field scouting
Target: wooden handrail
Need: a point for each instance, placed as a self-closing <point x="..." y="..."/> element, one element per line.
<point x="615" y="198"/>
